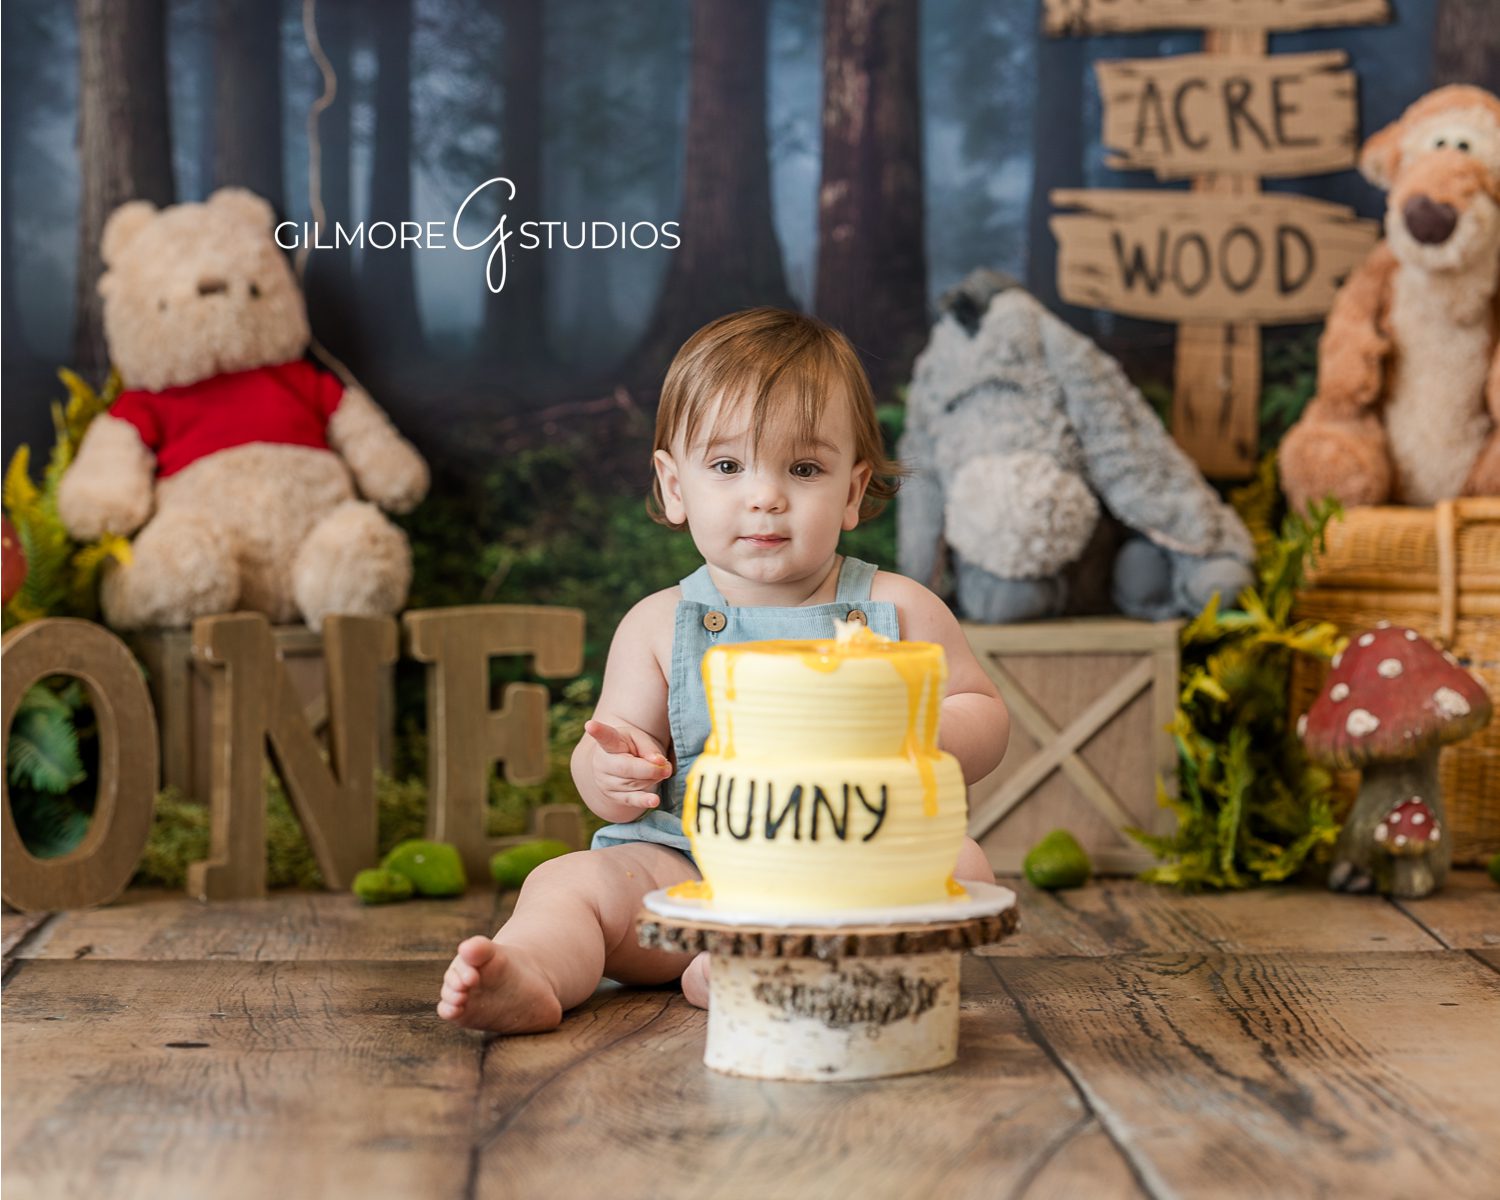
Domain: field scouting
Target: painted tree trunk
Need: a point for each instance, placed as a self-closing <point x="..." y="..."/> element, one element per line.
<point x="730" y="257"/>
<point x="872" y="260"/>
<point x="247" y="98"/>
<point x="1466" y="43"/>
<point x="515" y="319"/>
<point x="387" y="276"/>
<point x="1360" y="863"/>
<point x="330" y="273"/>
<point x="124" y="140"/>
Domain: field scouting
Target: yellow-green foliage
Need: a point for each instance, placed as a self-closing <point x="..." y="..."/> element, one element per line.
<point x="179" y="833"/>
<point x="1250" y="807"/>
<point x="61" y="574"/>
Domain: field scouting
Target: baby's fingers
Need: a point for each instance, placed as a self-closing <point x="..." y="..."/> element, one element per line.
<point x="629" y="767"/>
<point x="638" y="799"/>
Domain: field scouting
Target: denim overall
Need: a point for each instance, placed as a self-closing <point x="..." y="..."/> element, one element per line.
<point x="704" y="619"/>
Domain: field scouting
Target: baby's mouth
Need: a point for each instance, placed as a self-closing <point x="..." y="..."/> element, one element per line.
<point x="765" y="539"/>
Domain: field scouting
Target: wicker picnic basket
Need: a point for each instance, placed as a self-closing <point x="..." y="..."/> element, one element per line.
<point x="1436" y="570"/>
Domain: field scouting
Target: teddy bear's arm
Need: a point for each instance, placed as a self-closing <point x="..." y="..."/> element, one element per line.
<point x="1140" y="473"/>
<point x="108" y="487"/>
<point x="1354" y="345"/>
<point x="387" y="467"/>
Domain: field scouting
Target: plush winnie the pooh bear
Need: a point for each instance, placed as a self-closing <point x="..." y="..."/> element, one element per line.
<point x="1408" y="402"/>
<point x="254" y="478"/>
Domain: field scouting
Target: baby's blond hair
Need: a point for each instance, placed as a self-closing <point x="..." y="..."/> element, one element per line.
<point x="789" y="365"/>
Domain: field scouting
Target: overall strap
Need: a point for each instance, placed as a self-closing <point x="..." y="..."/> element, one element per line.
<point x="855" y="578"/>
<point x="699" y="588"/>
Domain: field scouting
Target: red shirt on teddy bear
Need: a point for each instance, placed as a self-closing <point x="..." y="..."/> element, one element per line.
<point x="288" y="404"/>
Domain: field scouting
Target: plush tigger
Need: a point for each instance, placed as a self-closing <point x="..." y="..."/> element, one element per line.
<point x="1408" y="402"/>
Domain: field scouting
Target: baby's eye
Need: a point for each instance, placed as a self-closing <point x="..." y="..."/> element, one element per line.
<point x="1462" y="145"/>
<point x="1440" y="143"/>
<point x="725" y="466"/>
<point x="807" y="470"/>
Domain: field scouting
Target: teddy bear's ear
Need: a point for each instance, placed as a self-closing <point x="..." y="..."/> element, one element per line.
<point x="244" y="205"/>
<point x="123" y="224"/>
<point x="1381" y="157"/>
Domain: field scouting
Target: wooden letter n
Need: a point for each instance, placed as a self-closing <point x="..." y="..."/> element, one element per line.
<point x="255" y="703"/>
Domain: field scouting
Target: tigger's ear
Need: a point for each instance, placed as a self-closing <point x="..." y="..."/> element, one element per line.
<point x="1380" y="160"/>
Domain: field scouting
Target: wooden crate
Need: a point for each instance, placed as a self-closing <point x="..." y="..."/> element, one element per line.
<point x="180" y="689"/>
<point x="1435" y="570"/>
<point x="1090" y="701"/>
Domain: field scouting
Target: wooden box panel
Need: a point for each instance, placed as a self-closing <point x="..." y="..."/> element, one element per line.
<point x="1090" y="701"/>
<point x="181" y="691"/>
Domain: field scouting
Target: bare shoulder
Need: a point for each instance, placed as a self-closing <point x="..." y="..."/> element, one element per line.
<point x="924" y="617"/>
<point x="649" y="623"/>
<point x="923" y="613"/>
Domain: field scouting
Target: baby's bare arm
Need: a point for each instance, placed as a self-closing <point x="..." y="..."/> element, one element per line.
<point x="975" y="725"/>
<point x="624" y="752"/>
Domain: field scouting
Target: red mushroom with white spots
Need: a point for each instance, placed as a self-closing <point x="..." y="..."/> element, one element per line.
<point x="1391" y="702"/>
<point x="1409" y="833"/>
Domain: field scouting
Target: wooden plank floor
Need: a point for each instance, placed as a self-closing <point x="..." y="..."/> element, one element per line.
<point x="1128" y="1042"/>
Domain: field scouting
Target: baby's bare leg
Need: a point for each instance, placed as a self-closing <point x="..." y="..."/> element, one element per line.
<point x="574" y="924"/>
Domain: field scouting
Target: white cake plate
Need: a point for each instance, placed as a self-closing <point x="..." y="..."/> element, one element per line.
<point x="982" y="900"/>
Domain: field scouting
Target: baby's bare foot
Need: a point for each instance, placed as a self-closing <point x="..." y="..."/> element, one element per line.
<point x="489" y="986"/>
<point x="695" y="981"/>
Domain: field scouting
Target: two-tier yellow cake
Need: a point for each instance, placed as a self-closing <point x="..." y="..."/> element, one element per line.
<point x="822" y="786"/>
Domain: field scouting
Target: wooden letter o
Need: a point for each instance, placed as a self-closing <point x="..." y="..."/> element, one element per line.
<point x="102" y="865"/>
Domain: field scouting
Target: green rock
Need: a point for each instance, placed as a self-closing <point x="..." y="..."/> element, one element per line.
<point x="1057" y="861"/>
<point x="510" y="867"/>
<point x="1495" y="868"/>
<point x="379" y="886"/>
<point x="434" y="868"/>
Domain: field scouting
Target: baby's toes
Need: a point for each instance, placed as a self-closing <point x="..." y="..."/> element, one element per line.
<point x="475" y="952"/>
<point x="454" y="996"/>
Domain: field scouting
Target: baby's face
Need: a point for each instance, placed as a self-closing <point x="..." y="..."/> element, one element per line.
<point x="770" y="515"/>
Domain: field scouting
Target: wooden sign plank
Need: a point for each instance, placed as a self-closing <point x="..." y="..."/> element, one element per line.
<point x="1178" y="256"/>
<point x="1293" y="114"/>
<point x="1061" y="17"/>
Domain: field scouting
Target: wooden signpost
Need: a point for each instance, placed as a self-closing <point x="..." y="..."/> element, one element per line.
<point x="1221" y="260"/>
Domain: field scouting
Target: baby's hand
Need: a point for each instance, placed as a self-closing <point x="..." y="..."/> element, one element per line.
<point x="629" y="765"/>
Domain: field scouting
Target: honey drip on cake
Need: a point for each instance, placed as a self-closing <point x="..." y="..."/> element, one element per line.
<point x="691" y="889"/>
<point x="955" y="888"/>
<point x="923" y="699"/>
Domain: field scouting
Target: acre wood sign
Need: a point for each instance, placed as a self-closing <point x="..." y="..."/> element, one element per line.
<point x="255" y="709"/>
<point x="1294" y="114"/>
<point x="1223" y="260"/>
<point x="1173" y="255"/>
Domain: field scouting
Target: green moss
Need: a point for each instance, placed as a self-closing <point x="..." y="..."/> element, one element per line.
<point x="378" y="886"/>
<point x="434" y="868"/>
<point x="1057" y="861"/>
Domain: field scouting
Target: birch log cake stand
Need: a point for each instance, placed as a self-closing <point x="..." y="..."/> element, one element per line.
<point x="853" y="997"/>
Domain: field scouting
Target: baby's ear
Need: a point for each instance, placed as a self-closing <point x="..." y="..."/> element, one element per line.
<point x="859" y="481"/>
<point x="669" y="485"/>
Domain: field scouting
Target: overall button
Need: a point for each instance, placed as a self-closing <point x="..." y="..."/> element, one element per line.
<point x="857" y="617"/>
<point x="714" y="621"/>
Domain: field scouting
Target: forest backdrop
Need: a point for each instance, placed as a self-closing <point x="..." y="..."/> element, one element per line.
<point x="706" y="113"/>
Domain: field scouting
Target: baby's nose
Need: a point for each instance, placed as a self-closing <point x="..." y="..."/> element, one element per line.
<point x="767" y="496"/>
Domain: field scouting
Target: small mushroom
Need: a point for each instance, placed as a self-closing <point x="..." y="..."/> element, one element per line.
<point x="1391" y="702"/>
<point x="1409" y="833"/>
